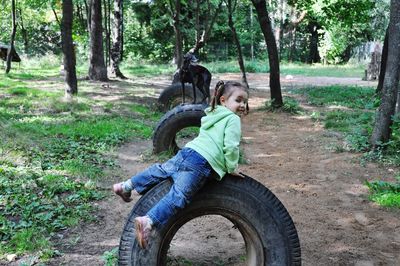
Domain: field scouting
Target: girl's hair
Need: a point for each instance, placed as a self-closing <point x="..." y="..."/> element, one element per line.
<point x="226" y="89"/>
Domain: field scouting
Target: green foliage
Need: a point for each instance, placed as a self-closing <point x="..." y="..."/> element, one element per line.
<point x="51" y="154"/>
<point x="36" y="204"/>
<point x="352" y="113"/>
<point x="145" y="69"/>
<point x="110" y="258"/>
<point x="385" y="193"/>
<point x="344" y="96"/>
<point x="345" y="121"/>
<point x="290" y="105"/>
<point x="319" y="70"/>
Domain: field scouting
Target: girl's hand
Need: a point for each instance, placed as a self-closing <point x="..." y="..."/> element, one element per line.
<point x="237" y="174"/>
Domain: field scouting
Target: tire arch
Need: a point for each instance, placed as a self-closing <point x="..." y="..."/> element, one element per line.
<point x="266" y="226"/>
<point x="180" y="117"/>
<point x="171" y="96"/>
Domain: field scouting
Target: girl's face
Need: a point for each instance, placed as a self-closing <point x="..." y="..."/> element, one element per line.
<point x="236" y="102"/>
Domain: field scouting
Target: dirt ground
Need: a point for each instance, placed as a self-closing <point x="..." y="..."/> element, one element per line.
<point x="298" y="161"/>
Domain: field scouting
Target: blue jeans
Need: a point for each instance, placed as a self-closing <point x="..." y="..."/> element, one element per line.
<point x="189" y="172"/>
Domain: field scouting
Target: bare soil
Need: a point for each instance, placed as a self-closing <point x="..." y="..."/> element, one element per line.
<point x="297" y="159"/>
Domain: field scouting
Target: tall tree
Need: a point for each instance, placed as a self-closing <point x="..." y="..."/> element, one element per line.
<point x="116" y="49"/>
<point x="202" y="38"/>
<point x="383" y="63"/>
<point x="13" y="31"/>
<point x="231" y="8"/>
<point x="97" y="68"/>
<point x="24" y="32"/>
<point x="71" y="84"/>
<point x="386" y="110"/>
<point x="175" y="10"/>
<point x="274" y="75"/>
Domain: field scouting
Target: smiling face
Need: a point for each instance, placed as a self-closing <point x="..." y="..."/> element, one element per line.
<point x="236" y="102"/>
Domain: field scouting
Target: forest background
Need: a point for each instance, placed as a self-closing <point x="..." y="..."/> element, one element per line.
<point x="312" y="36"/>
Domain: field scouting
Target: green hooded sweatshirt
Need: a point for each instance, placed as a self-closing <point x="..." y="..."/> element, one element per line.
<point x="219" y="139"/>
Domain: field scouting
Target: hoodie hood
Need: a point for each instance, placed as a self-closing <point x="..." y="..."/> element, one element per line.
<point x="214" y="116"/>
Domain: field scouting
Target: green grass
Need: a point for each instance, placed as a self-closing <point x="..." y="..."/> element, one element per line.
<point x="110" y="258"/>
<point x="314" y="70"/>
<point x="349" y="70"/>
<point x="256" y="66"/>
<point x="344" y="96"/>
<point x="384" y="193"/>
<point x="290" y="105"/>
<point x="52" y="154"/>
<point x="350" y="110"/>
<point x="145" y="69"/>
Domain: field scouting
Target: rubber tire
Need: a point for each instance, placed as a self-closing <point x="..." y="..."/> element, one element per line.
<point x="267" y="228"/>
<point x="182" y="116"/>
<point x="171" y="96"/>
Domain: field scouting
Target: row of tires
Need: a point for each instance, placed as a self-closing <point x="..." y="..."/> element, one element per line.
<point x="267" y="229"/>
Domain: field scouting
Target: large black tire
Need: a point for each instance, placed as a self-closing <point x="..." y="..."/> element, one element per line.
<point x="172" y="96"/>
<point x="182" y="116"/>
<point x="268" y="231"/>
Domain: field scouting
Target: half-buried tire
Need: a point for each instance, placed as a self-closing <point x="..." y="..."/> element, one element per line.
<point x="171" y="96"/>
<point x="267" y="229"/>
<point x="182" y="116"/>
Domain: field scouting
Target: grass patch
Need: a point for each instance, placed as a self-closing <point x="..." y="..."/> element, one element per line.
<point x="347" y="121"/>
<point x="52" y="153"/>
<point x="36" y="204"/>
<point x="290" y="105"/>
<point x="315" y="70"/>
<point x="349" y="110"/>
<point x="344" y="96"/>
<point x="354" y="117"/>
<point x="251" y="66"/>
<point x="384" y="193"/>
<point x="145" y="69"/>
<point x="110" y="258"/>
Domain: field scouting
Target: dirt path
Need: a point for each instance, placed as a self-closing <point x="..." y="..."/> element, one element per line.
<point x="294" y="157"/>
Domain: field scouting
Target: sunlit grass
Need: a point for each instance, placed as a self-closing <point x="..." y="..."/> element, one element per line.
<point x="313" y="70"/>
<point x="51" y="149"/>
<point x="147" y="69"/>
<point x="345" y="96"/>
<point x="385" y="193"/>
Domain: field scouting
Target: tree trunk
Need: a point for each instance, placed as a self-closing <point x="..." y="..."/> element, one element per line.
<point x="24" y="32"/>
<point x="313" y="56"/>
<point x="88" y="13"/>
<point x="13" y="31"/>
<point x="97" y="68"/>
<point x="386" y="110"/>
<point x="178" y="35"/>
<point x="200" y="42"/>
<point x="71" y="85"/>
<point x="266" y="28"/>
<point x="236" y="41"/>
<point x="107" y="31"/>
<point x="383" y="63"/>
<point x="117" y="40"/>
<point x="292" y="33"/>
<point x="56" y="16"/>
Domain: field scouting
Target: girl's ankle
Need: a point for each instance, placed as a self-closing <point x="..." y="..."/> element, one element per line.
<point x="127" y="186"/>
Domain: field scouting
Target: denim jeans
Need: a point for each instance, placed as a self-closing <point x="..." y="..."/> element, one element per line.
<point x="189" y="172"/>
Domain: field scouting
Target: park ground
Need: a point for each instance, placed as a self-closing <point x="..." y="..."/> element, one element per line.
<point x="320" y="184"/>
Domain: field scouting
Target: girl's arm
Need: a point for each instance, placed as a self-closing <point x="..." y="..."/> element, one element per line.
<point x="231" y="143"/>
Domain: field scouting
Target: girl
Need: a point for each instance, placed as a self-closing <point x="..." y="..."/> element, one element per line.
<point x="212" y="154"/>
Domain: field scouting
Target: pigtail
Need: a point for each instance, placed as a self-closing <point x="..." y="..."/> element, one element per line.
<point x="218" y="92"/>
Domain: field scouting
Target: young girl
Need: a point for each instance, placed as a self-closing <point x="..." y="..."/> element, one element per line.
<point x="212" y="154"/>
